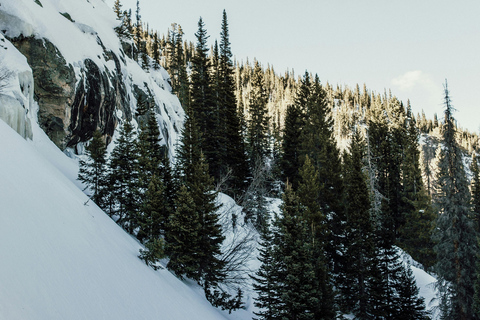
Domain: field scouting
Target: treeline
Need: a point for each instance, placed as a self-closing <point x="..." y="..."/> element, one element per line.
<point x="347" y="163"/>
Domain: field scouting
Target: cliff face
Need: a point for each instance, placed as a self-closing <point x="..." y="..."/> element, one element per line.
<point x="83" y="81"/>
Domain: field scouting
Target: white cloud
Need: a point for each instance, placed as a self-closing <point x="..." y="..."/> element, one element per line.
<point x="412" y="79"/>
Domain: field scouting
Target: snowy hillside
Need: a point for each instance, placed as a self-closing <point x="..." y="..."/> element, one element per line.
<point x="63" y="258"/>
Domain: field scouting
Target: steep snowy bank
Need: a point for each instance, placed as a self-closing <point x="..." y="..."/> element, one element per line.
<point x="64" y="259"/>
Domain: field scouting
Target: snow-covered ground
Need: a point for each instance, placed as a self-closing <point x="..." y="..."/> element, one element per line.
<point x="63" y="258"/>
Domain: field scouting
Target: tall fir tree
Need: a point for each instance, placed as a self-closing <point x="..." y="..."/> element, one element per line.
<point x="182" y="237"/>
<point x="233" y="156"/>
<point x="123" y="179"/>
<point x="358" y="258"/>
<point x="290" y="159"/>
<point x="93" y="172"/>
<point x="202" y="96"/>
<point x="193" y="174"/>
<point x="415" y="234"/>
<point x="257" y="132"/>
<point x="318" y="142"/>
<point x="266" y="280"/>
<point x="455" y="233"/>
<point x="475" y="188"/>
<point x="299" y="289"/>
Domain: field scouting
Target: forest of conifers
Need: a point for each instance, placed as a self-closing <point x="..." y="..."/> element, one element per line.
<point x="360" y="176"/>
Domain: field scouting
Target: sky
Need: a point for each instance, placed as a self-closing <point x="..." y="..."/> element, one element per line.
<point x="409" y="46"/>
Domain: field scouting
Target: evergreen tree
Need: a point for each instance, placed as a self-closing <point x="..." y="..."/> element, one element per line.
<point x="455" y="233"/>
<point x="137" y="37"/>
<point x="193" y="173"/>
<point x="415" y="234"/>
<point x="233" y="156"/>
<point x="156" y="51"/>
<point x="318" y="142"/>
<point x="266" y="281"/>
<point x="299" y="290"/>
<point x="358" y="258"/>
<point x="123" y="179"/>
<point x="183" y="237"/>
<point x="411" y="306"/>
<point x="93" y="171"/>
<point x="257" y="136"/>
<point x="153" y="212"/>
<point x="475" y="188"/>
<point x="290" y="161"/>
<point x="202" y="103"/>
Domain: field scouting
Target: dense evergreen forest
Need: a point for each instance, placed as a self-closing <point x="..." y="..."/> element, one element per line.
<point x="359" y="173"/>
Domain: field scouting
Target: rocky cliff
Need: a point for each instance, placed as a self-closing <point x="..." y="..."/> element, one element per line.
<point x="83" y="80"/>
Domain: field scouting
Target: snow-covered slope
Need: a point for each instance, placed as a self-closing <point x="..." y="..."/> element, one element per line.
<point x="63" y="258"/>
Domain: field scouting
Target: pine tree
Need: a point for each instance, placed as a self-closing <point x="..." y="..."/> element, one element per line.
<point x="156" y="51"/>
<point x="123" y="179"/>
<point x="234" y="156"/>
<point x="358" y="258"/>
<point x="415" y="234"/>
<point x="193" y="173"/>
<point x="455" y="233"/>
<point x="411" y="306"/>
<point x="290" y="161"/>
<point x="201" y="94"/>
<point x="299" y="289"/>
<point x="257" y="136"/>
<point x="266" y="281"/>
<point x="93" y="171"/>
<point x="318" y="142"/>
<point x="183" y="237"/>
<point x="475" y="188"/>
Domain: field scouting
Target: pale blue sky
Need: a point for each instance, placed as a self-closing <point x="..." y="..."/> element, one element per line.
<point x="408" y="46"/>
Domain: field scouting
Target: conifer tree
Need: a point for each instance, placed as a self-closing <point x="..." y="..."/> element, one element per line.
<point x="415" y="234"/>
<point x="257" y="136"/>
<point x="93" y="171"/>
<point x="193" y="174"/>
<point x="233" y="156"/>
<point x="290" y="161"/>
<point x="411" y="306"/>
<point x="358" y="258"/>
<point x="266" y="280"/>
<point x="318" y="142"/>
<point x="455" y="233"/>
<point x="152" y="217"/>
<point x="475" y="188"/>
<point x="299" y="289"/>
<point x="182" y="238"/>
<point x="156" y="51"/>
<point x="123" y="179"/>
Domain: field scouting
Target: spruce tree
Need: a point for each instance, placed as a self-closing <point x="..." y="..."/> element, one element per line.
<point x="411" y="306"/>
<point x="415" y="234"/>
<point x="193" y="174"/>
<point x="290" y="162"/>
<point x="318" y="142"/>
<point x="455" y="233"/>
<point x="257" y="132"/>
<point x="123" y="179"/>
<point x="357" y="260"/>
<point x="233" y="156"/>
<point x="299" y="289"/>
<point x="266" y="280"/>
<point x="475" y="188"/>
<point x="153" y="213"/>
<point x="202" y="99"/>
<point x="183" y="237"/>
<point x="93" y="171"/>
